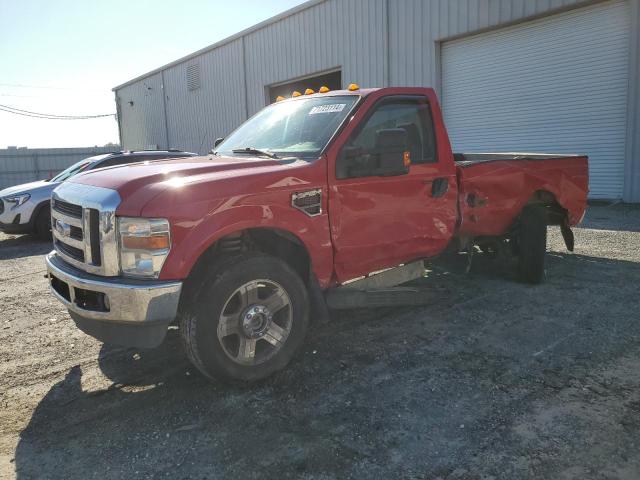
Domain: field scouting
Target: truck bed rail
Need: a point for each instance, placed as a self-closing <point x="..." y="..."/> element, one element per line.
<point x="466" y="159"/>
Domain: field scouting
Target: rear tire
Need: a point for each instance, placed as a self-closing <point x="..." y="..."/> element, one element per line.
<point x="248" y="319"/>
<point x="43" y="224"/>
<point x="532" y="244"/>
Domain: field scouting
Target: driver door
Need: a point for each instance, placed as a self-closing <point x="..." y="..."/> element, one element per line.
<point x="382" y="221"/>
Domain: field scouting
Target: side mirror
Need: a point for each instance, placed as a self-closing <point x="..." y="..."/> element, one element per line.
<point x="391" y="150"/>
<point x="217" y="142"/>
<point x="352" y="151"/>
<point x="388" y="157"/>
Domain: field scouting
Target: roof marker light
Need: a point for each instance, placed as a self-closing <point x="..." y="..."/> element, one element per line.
<point x="296" y="94"/>
<point x="279" y="98"/>
<point x="309" y="91"/>
<point x="323" y="89"/>
<point x="353" y="87"/>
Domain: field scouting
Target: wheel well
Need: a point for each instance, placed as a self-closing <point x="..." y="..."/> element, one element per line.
<point x="556" y="215"/>
<point x="275" y="242"/>
<point x="36" y="211"/>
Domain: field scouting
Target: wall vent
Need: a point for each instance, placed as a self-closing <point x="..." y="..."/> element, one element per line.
<point x="193" y="77"/>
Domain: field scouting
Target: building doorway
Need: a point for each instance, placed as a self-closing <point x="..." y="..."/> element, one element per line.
<point x="332" y="80"/>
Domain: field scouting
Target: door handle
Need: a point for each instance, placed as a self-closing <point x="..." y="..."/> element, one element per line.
<point x="439" y="186"/>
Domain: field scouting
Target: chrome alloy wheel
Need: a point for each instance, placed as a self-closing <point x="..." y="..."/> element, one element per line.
<point x="255" y="322"/>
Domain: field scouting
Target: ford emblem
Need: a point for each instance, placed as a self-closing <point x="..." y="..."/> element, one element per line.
<point x="63" y="228"/>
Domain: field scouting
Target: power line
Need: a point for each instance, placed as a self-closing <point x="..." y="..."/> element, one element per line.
<point x="56" y="95"/>
<point x="52" y="114"/>
<point x="47" y="116"/>
<point x="21" y="85"/>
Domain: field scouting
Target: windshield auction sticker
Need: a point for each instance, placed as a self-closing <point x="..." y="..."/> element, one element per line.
<point x="331" y="108"/>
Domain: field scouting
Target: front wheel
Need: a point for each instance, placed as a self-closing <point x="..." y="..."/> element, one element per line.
<point x="248" y="320"/>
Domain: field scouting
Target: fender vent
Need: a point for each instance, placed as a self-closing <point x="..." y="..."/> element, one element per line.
<point x="309" y="202"/>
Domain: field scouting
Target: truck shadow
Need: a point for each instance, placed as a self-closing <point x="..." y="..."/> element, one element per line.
<point x="22" y="246"/>
<point x="620" y="217"/>
<point x="370" y="395"/>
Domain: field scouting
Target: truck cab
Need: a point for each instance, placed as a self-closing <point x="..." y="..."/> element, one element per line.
<point x="240" y="247"/>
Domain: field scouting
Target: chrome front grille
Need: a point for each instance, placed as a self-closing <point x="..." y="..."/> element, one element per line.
<point x="75" y="253"/>
<point x="67" y="208"/>
<point x="83" y="226"/>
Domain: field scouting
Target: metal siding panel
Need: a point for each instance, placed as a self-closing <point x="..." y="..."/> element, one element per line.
<point x="413" y="23"/>
<point x="505" y="11"/>
<point x="415" y="26"/>
<point x="632" y="164"/>
<point x="27" y="165"/>
<point x="542" y="5"/>
<point x="142" y="124"/>
<point x="193" y="117"/>
<point x="555" y="84"/>
<point x="518" y="9"/>
<point x="483" y="13"/>
<point x="332" y="34"/>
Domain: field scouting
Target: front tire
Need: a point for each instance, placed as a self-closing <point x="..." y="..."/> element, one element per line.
<point x="248" y="319"/>
<point x="532" y="244"/>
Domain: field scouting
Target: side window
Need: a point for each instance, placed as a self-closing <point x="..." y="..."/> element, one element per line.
<point x="410" y="115"/>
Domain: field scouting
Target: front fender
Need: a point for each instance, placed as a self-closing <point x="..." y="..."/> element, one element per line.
<point x="192" y="238"/>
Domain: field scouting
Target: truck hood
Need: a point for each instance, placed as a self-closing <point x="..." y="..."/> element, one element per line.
<point x="139" y="183"/>
<point x="31" y="188"/>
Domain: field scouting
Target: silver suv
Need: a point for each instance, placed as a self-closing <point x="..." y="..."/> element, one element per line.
<point x="25" y="208"/>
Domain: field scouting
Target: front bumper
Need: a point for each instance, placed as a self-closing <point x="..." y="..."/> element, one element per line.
<point x="115" y="310"/>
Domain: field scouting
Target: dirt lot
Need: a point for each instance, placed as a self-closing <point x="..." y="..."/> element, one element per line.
<point x="495" y="380"/>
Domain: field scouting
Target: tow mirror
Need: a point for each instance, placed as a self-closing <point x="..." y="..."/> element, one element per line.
<point x="392" y="151"/>
<point x="388" y="157"/>
<point x="217" y="142"/>
<point x="352" y="151"/>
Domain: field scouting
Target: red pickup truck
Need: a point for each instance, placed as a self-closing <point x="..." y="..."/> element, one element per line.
<point x="239" y="247"/>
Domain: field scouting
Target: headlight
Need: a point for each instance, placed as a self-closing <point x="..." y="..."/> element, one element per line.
<point x="17" y="200"/>
<point x="144" y="246"/>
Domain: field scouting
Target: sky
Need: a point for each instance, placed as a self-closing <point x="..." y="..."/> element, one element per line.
<point x="63" y="57"/>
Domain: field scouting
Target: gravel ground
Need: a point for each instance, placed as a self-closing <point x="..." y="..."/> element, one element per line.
<point x="495" y="380"/>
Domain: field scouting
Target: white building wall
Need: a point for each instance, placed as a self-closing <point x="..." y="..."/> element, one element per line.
<point x="336" y="33"/>
<point x="196" y="118"/>
<point x="141" y="117"/>
<point x="373" y="42"/>
<point x="417" y="26"/>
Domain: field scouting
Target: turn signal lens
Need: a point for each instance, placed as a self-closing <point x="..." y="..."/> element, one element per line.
<point x="146" y="243"/>
<point x="279" y="98"/>
<point x="323" y="89"/>
<point x="406" y="159"/>
<point x="353" y="87"/>
<point x="296" y="94"/>
<point x="309" y="91"/>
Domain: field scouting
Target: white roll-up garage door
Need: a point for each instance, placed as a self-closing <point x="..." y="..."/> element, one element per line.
<point x="557" y="84"/>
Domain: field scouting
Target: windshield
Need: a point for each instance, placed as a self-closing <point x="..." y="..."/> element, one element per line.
<point x="300" y="128"/>
<point x="71" y="171"/>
